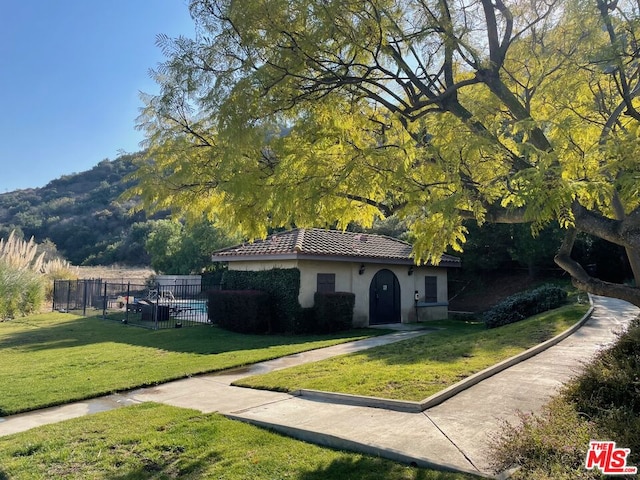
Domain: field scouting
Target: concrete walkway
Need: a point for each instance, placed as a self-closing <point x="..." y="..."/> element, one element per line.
<point x="453" y="435"/>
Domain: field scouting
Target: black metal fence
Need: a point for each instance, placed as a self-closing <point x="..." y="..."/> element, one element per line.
<point x="155" y="307"/>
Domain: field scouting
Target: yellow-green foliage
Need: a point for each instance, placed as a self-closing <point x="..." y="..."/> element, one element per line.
<point x="332" y="113"/>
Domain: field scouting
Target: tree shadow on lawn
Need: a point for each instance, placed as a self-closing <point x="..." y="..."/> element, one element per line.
<point x="203" y="339"/>
<point x="448" y="346"/>
<point x="167" y="468"/>
<point x="370" y="468"/>
<point x="365" y="468"/>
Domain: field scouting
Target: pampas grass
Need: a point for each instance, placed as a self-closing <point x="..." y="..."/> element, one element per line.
<point x="21" y="291"/>
<point x="19" y="254"/>
<point x="25" y="276"/>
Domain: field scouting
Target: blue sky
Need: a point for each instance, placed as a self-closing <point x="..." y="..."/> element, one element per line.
<point x="70" y="76"/>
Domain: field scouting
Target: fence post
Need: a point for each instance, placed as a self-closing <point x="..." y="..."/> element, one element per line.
<point x="68" y="294"/>
<point x="84" y="298"/>
<point x="126" y="307"/>
<point x="53" y="299"/>
<point x="104" y="302"/>
<point x="155" y="309"/>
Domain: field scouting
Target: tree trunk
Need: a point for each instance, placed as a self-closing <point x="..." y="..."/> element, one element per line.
<point x="582" y="280"/>
<point x="632" y="254"/>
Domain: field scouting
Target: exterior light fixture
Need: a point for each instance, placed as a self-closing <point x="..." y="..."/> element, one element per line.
<point x="410" y="272"/>
<point x="361" y="271"/>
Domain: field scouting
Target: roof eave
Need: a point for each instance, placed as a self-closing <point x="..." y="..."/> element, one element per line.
<point x="325" y="258"/>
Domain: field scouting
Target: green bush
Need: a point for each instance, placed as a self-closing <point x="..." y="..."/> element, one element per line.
<point x="22" y="291"/>
<point x="602" y="403"/>
<point x="283" y="287"/>
<point x="306" y="321"/>
<point x="549" y="445"/>
<point x="609" y="391"/>
<point x="333" y="311"/>
<point x="242" y="311"/>
<point x="523" y="305"/>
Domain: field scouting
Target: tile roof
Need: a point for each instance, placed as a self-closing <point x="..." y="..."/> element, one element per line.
<point x="318" y="242"/>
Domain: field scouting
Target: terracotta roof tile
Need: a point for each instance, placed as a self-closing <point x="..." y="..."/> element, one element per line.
<point x="319" y="242"/>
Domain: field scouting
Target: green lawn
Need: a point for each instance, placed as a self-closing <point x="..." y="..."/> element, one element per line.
<point x="162" y="442"/>
<point x="55" y="358"/>
<point x="417" y="368"/>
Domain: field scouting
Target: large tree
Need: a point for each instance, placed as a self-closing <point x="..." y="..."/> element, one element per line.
<point x="327" y="112"/>
<point x="176" y="249"/>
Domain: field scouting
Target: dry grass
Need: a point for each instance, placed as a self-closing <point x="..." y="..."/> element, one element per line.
<point x="19" y="254"/>
<point x="117" y="272"/>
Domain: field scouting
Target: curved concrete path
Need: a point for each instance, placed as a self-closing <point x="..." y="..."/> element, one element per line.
<point x="453" y="435"/>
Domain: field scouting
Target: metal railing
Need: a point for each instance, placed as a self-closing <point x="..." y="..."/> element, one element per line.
<point x="155" y="306"/>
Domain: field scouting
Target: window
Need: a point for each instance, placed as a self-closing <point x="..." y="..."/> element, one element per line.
<point x="326" y="282"/>
<point x="431" y="289"/>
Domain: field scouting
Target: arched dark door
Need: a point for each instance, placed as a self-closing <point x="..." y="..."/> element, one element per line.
<point x="384" y="298"/>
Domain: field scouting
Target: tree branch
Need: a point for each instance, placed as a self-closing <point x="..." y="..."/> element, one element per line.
<point x="582" y="280"/>
<point x="621" y="232"/>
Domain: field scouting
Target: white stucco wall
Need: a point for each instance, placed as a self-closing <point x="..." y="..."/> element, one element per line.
<point x="171" y="280"/>
<point x="348" y="279"/>
<point x="409" y="284"/>
<point x="427" y="311"/>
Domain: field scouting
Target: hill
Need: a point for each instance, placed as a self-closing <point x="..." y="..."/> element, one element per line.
<point x="81" y="215"/>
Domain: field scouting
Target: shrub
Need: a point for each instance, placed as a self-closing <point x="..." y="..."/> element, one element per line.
<point x="523" y="305"/>
<point x="552" y="444"/>
<point x="602" y="403"/>
<point x="21" y="291"/>
<point x="243" y="311"/>
<point x="23" y="276"/>
<point x="57" y="270"/>
<point x="19" y="254"/>
<point x="306" y="321"/>
<point x="608" y="391"/>
<point x="333" y="311"/>
<point x="283" y="287"/>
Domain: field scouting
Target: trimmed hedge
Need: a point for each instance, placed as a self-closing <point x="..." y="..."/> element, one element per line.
<point x="282" y="286"/>
<point x="523" y="305"/>
<point x="333" y="311"/>
<point x="306" y="321"/>
<point x="242" y="311"/>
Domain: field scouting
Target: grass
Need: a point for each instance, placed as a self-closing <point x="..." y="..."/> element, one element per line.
<point x="55" y="358"/>
<point x="417" y="368"/>
<point x="163" y="442"/>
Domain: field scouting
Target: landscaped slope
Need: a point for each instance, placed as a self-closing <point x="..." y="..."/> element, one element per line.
<point x="80" y="213"/>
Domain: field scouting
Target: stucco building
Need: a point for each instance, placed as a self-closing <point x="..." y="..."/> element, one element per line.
<point x="379" y="270"/>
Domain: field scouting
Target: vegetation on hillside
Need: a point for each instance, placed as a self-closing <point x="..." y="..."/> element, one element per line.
<point x="347" y="111"/>
<point x="81" y="216"/>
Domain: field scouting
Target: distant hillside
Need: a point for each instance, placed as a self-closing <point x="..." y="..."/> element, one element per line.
<point x="81" y="215"/>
